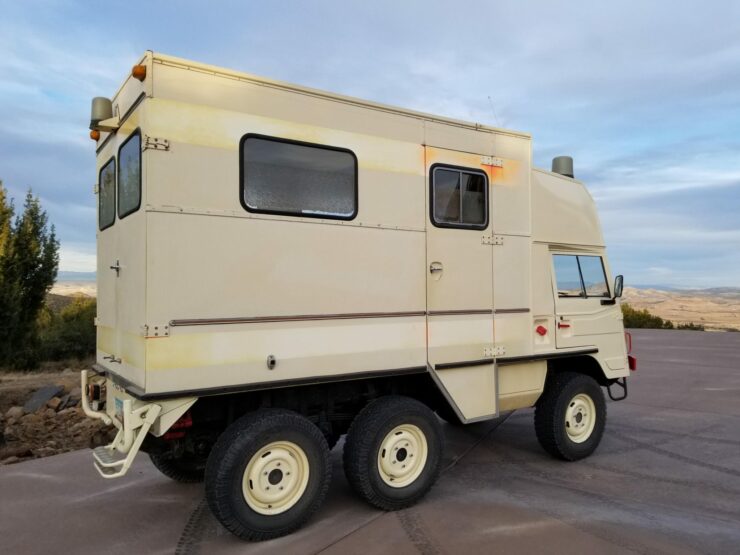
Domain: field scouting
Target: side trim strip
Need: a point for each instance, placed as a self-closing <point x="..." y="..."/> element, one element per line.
<point x="457" y="312"/>
<point x="446" y="365"/>
<point x="137" y="392"/>
<point x="511" y="311"/>
<point x="546" y="356"/>
<point x="294" y="318"/>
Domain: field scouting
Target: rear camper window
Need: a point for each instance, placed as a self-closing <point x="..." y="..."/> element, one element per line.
<point x="107" y="195"/>
<point x="298" y="179"/>
<point x="459" y="198"/>
<point x="580" y="276"/>
<point x="129" y="176"/>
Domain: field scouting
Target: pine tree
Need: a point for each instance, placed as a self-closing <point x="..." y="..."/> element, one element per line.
<point x="7" y="305"/>
<point x="28" y="268"/>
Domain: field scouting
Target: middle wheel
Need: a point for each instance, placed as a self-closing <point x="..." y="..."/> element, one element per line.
<point x="393" y="452"/>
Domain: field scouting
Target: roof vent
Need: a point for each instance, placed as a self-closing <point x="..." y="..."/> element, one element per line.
<point x="563" y="165"/>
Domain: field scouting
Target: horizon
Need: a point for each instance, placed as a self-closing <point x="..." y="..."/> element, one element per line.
<point x="648" y="105"/>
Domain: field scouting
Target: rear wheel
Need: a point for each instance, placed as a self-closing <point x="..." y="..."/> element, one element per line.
<point x="186" y="469"/>
<point x="393" y="452"/>
<point x="267" y="474"/>
<point x="570" y="416"/>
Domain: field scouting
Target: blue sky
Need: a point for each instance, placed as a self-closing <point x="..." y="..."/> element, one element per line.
<point x="644" y="95"/>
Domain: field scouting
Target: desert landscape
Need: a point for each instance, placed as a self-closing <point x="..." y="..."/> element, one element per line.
<point x="718" y="309"/>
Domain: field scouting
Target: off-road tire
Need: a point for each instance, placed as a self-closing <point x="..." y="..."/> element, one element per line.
<point x="188" y="469"/>
<point x="363" y="442"/>
<point x="549" y="415"/>
<point x="229" y="459"/>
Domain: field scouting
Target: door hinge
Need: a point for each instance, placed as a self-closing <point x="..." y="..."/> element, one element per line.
<point x="155" y="143"/>
<point x="492" y="161"/>
<point x="495" y="351"/>
<point x="158" y="330"/>
<point x="492" y="240"/>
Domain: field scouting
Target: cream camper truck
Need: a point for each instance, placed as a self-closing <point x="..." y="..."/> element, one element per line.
<point x="280" y="266"/>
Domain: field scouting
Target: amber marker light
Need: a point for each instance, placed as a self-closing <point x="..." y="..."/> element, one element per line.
<point x="95" y="134"/>
<point x="138" y="72"/>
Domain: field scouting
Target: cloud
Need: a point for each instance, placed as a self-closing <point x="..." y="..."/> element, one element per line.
<point x="645" y="96"/>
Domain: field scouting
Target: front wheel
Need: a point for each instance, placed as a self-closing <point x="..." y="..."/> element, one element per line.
<point x="393" y="452"/>
<point x="570" y="416"/>
<point x="267" y="474"/>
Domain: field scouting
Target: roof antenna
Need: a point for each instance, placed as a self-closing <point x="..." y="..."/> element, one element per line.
<point x="493" y="111"/>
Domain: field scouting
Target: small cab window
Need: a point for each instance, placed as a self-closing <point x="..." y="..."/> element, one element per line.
<point x="301" y="179"/>
<point x="459" y="198"/>
<point x="580" y="276"/>
<point x="129" y="176"/>
<point x="107" y="195"/>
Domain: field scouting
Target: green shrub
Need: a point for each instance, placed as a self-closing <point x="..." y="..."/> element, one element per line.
<point x="691" y="326"/>
<point x="635" y="318"/>
<point x="69" y="333"/>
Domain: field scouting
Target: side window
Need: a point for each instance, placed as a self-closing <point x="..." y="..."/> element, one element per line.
<point x="580" y="276"/>
<point x="594" y="277"/>
<point x="301" y="179"/>
<point x="459" y="198"/>
<point x="568" y="276"/>
<point x="129" y="175"/>
<point x="107" y="195"/>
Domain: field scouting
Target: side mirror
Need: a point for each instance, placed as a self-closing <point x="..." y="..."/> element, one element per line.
<point x="618" y="286"/>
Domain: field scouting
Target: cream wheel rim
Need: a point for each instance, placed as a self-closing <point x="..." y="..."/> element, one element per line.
<point x="275" y="478"/>
<point x="580" y="418"/>
<point x="402" y="455"/>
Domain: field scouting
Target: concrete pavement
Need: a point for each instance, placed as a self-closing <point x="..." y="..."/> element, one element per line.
<point x="666" y="479"/>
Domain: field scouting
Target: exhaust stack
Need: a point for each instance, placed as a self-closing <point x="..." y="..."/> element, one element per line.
<point x="563" y="165"/>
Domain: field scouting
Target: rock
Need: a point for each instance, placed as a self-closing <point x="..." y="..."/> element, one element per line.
<point x="50" y="413"/>
<point x="14" y="412"/>
<point x="41" y="396"/>
<point x="68" y="372"/>
<point x="9" y="434"/>
<point x="31" y="419"/>
<point x="9" y="460"/>
<point x="75" y="394"/>
<point x="63" y="403"/>
<point x="43" y="452"/>
<point x="54" y="403"/>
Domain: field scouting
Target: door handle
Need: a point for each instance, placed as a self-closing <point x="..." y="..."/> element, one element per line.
<point x="117" y="268"/>
<point x="435" y="267"/>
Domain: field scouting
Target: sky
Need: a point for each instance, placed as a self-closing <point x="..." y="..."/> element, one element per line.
<point x="644" y="95"/>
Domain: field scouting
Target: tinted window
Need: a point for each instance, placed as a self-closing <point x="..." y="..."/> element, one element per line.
<point x="459" y="198"/>
<point x="107" y="195"/>
<point x="568" y="276"/>
<point x="594" y="278"/>
<point x="129" y="176"/>
<point x="296" y="178"/>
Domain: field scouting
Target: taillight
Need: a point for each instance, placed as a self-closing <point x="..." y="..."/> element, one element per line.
<point x="177" y="431"/>
<point x="632" y="362"/>
<point x="628" y="341"/>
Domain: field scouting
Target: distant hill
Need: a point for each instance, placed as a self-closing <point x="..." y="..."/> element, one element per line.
<point x="75" y="276"/>
<point x="717" y="308"/>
